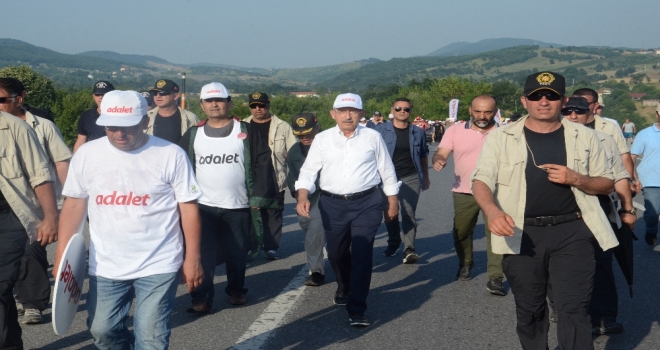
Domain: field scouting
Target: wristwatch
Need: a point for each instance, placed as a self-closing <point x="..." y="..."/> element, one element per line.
<point x="632" y="211"/>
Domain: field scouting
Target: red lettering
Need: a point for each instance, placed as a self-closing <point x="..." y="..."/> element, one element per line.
<point x="118" y="109"/>
<point x="121" y="200"/>
<point x="111" y="198"/>
<point x="99" y="199"/>
<point x="137" y="200"/>
<point x="144" y="199"/>
<point x="130" y="195"/>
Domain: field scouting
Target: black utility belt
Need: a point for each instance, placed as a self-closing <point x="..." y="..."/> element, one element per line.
<point x="553" y="220"/>
<point x="349" y="197"/>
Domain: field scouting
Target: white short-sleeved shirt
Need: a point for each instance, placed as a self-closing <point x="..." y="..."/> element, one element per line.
<point x="133" y="205"/>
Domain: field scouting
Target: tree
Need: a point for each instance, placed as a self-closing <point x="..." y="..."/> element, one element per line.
<point x="67" y="108"/>
<point x="40" y="90"/>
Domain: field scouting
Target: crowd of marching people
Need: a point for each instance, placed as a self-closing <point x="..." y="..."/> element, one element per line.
<point x="168" y="196"/>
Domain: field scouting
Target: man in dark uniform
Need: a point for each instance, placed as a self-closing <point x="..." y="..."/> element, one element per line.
<point x="88" y="130"/>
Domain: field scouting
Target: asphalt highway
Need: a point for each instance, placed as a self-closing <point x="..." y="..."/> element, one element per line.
<point x="419" y="306"/>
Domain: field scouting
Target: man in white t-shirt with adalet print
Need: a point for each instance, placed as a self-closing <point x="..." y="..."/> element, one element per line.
<point x="139" y="191"/>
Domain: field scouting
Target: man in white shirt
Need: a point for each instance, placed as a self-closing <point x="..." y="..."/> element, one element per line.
<point x="139" y="191"/>
<point x="351" y="161"/>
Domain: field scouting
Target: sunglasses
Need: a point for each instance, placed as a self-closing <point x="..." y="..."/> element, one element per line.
<point x="124" y="129"/>
<point x="162" y="93"/>
<point x="7" y="99"/>
<point x="215" y="99"/>
<point x="569" y="111"/>
<point x="255" y="106"/>
<point x="405" y="109"/>
<point x="550" y="96"/>
<point x="98" y="95"/>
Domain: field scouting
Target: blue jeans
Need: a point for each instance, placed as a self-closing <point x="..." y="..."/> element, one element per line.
<point x="109" y="302"/>
<point x="651" y="208"/>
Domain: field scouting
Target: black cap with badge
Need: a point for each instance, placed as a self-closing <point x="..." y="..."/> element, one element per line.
<point x="545" y="81"/>
<point x="149" y="97"/>
<point x="303" y="123"/>
<point x="165" y="85"/>
<point x="377" y="113"/>
<point x="102" y="87"/>
<point x="259" y="98"/>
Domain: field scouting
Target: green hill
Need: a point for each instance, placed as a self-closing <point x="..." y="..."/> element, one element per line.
<point x="133" y="59"/>
<point x="465" y="48"/>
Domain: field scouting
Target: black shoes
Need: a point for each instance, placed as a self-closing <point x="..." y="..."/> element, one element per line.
<point x="358" y="320"/>
<point x="272" y="255"/>
<point x="465" y="272"/>
<point x="341" y="297"/>
<point x="409" y="256"/>
<point x="495" y="287"/>
<point x="390" y="251"/>
<point x="608" y="328"/>
<point x="315" y="279"/>
<point x="199" y="307"/>
<point x="651" y="239"/>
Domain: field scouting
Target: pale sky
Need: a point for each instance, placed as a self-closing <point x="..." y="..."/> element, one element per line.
<point x="297" y="33"/>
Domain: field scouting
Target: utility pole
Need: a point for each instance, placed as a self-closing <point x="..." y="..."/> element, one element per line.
<point x="183" y="90"/>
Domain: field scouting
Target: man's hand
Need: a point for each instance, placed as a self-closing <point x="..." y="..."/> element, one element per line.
<point x="500" y="224"/>
<point x="427" y="184"/>
<point x="47" y="230"/>
<point x="303" y="207"/>
<point x="629" y="219"/>
<point x="560" y="174"/>
<point x="192" y="273"/>
<point x="392" y="210"/>
<point x="439" y="164"/>
<point x="637" y="186"/>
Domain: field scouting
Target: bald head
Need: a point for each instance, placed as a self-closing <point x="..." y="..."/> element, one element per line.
<point x="482" y="111"/>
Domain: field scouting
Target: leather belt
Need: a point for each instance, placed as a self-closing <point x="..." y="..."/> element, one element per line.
<point x="349" y="197"/>
<point x="553" y="220"/>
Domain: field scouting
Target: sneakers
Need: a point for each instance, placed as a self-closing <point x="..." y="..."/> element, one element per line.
<point x="495" y="287"/>
<point x="31" y="316"/>
<point x="358" y="320"/>
<point x="608" y="328"/>
<point x="252" y="254"/>
<point x="199" y="307"/>
<point x="341" y="297"/>
<point x="272" y="255"/>
<point x="390" y="251"/>
<point x="410" y="257"/>
<point x="238" y="299"/>
<point x="465" y="272"/>
<point x="19" y="308"/>
<point x="651" y="239"/>
<point x="315" y="279"/>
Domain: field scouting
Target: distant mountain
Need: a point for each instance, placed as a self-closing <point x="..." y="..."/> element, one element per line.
<point x="466" y="48"/>
<point x="16" y="52"/>
<point x="135" y="59"/>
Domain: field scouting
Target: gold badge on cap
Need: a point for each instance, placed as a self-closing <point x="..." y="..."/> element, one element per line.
<point x="301" y="122"/>
<point x="545" y="78"/>
<point x="256" y="95"/>
<point x="160" y="83"/>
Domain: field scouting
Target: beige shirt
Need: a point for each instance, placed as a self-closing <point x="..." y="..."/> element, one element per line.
<point x="23" y="166"/>
<point x="613" y="130"/>
<point x="501" y="166"/>
<point x="52" y="142"/>
<point x="280" y="141"/>
<point x="188" y="120"/>
<point x="618" y="171"/>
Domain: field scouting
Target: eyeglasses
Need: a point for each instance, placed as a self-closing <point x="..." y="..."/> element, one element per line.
<point x="99" y="95"/>
<point x="258" y="105"/>
<point x="353" y="112"/>
<point x="405" y="109"/>
<point x="569" y="111"/>
<point x="215" y="99"/>
<point x="162" y="93"/>
<point x="538" y="96"/>
<point x="7" y="99"/>
<point x="124" y="129"/>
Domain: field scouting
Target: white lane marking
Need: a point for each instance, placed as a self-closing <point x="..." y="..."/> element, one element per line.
<point x="270" y="319"/>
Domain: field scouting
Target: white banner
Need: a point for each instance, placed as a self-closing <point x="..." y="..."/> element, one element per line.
<point x="498" y="117"/>
<point x="453" y="109"/>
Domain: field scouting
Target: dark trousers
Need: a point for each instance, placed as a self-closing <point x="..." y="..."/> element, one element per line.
<point x="408" y="199"/>
<point x="604" y="304"/>
<point x="563" y="255"/>
<point x="272" y="223"/>
<point x="13" y="239"/>
<point x="33" y="285"/>
<point x="350" y="228"/>
<point x="224" y="231"/>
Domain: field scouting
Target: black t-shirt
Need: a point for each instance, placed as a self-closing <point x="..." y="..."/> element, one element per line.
<point x="545" y="198"/>
<point x="87" y="125"/>
<point x="262" y="156"/>
<point x="168" y="128"/>
<point x="262" y="130"/>
<point x="304" y="150"/>
<point x="403" y="162"/>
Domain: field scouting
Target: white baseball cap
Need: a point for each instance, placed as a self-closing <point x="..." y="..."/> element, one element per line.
<point x="348" y="100"/>
<point x="122" y="108"/>
<point x="214" y="90"/>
